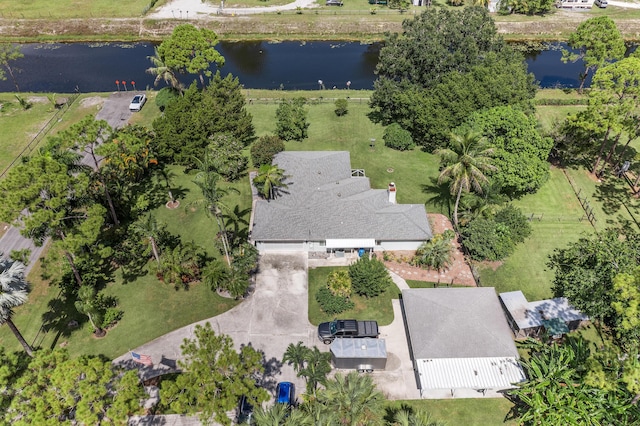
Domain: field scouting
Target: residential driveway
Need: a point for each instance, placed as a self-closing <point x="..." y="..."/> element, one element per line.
<point x="274" y="316"/>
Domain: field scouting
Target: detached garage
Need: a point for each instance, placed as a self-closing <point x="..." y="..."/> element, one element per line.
<point x="460" y="342"/>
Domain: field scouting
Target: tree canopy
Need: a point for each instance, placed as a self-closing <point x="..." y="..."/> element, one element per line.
<point x="215" y="377"/>
<point x="55" y="389"/>
<point x="189" y="121"/>
<point x="597" y="42"/>
<point x="443" y="67"/>
<point x="190" y="50"/>
<point x="585" y="271"/>
<point x="520" y="152"/>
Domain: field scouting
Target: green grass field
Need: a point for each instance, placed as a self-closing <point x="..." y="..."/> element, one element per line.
<point x="377" y="307"/>
<point x="462" y="412"/>
<point x="34" y="9"/>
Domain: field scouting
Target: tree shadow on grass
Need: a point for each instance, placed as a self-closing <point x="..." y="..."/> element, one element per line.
<point x="613" y="193"/>
<point x="439" y="196"/>
<point x="62" y="318"/>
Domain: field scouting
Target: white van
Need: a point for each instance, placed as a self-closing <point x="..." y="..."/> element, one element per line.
<point x="600" y="3"/>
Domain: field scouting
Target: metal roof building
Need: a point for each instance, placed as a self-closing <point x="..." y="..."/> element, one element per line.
<point x="327" y="205"/>
<point x="527" y="318"/>
<point x="460" y="342"/>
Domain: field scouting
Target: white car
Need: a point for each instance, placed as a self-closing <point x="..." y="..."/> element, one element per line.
<point x="137" y="102"/>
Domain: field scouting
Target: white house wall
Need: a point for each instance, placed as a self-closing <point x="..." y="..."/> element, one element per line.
<point x="399" y="245"/>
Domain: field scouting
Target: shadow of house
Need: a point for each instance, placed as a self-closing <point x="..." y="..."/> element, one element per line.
<point x="555" y="317"/>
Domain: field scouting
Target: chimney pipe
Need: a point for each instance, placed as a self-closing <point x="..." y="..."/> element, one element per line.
<point x="392" y="193"/>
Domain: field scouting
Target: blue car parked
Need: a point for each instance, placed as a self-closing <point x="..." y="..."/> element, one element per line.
<point x="286" y="393"/>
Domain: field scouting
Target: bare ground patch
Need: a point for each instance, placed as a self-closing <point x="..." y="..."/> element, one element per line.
<point x="92" y="101"/>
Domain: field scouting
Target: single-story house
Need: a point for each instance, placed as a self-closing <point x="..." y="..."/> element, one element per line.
<point x="531" y="319"/>
<point x="460" y="342"/>
<point x="574" y="4"/>
<point x="329" y="207"/>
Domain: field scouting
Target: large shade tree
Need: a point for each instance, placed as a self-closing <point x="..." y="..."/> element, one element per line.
<point x="520" y="151"/>
<point x="444" y="66"/>
<point x="465" y="165"/>
<point x="190" y="50"/>
<point x="13" y="292"/>
<point x="214" y="377"/>
<point x="46" y="200"/>
<point x="597" y="42"/>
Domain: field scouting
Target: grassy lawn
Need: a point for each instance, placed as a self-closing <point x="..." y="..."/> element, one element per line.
<point x="378" y="308"/>
<point x="556" y="222"/>
<point x="468" y="412"/>
<point x="73" y="8"/>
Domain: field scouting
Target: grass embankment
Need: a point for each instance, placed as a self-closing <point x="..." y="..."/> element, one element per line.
<point x="377" y="307"/>
<point x="102" y="20"/>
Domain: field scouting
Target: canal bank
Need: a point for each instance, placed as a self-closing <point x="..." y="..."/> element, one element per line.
<point x="317" y="24"/>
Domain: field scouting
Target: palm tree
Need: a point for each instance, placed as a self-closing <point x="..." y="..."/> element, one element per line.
<point x="269" y="180"/>
<point x="216" y="274"/>
<point x="317" y="367"/>
<point x="409" y="417"/>
<point x="236" y="219"/>
<point x="148" y="227"/>
<point x="465" y="164"/>
<point x="87" y="305"/>
<point x="281" y="415"/>
<point x="207" y="179"/>
<point x="162" y="72"/>
<point x="355" y="400"/>
<point x="13" y="292"/>
<point x="295" y="355"/>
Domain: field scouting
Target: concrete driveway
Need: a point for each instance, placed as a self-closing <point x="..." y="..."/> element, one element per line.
<point x="274" y="316"/>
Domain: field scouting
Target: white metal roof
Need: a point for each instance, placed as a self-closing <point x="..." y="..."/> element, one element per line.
<point x="469" y="373"/>
<point x="531" y="314"/>
<point x="351" y="243"/>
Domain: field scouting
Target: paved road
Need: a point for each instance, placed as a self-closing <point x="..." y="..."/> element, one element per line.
<point x="115" y="111"/>
<point x="198" y="9"/>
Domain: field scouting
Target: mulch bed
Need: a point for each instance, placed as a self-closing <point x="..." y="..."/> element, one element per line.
<point x="459" y="273"/>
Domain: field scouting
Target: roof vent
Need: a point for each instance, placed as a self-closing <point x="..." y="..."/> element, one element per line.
<point x="392" y="193"/>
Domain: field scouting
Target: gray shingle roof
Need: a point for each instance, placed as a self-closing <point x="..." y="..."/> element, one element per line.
<point x="323" y="201"/>
<point x="457" y="323"/>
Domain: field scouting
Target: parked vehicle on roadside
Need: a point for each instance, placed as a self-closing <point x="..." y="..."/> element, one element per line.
<point x="286" y="394"/>
<point x="137" y="102"/>
<point x="602" y="4"/>
<point x="245" y="412"/>
<point x="329" y="331"/>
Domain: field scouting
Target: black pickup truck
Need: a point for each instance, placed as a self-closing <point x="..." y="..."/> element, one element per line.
<point x="328" y="331"/>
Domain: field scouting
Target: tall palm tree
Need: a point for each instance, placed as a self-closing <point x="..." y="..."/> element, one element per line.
<point x="87" y="305"/>
<point x="13" y="292"/>
<point x="147" y="226"/>
<point x="269" y="180"/>
<point x="465" y="163"/>
<point x="207" y="180"/>
<point x="355" y="400"/>
<point x="162" y="71"/>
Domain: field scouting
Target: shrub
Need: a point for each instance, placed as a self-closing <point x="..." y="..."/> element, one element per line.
<point x="397" y="138"/>
<point x="519" y="226"/>
<point x="486" y="239"/>
<point x="435" y="253"/>
<point x="291" y="120"/>
<point x="342" y="107"/>
<point x="332" y="304"/>
<point x="339" y="283"/>
<point x="164" y="96"/>
<point x="111" y="317"/>
<point x="226" y="154"/>
<point x="265" y="148"/>
<point x="369" y="277"/>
